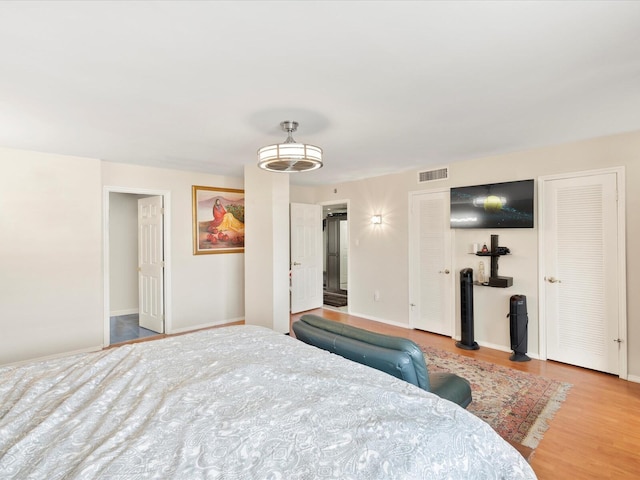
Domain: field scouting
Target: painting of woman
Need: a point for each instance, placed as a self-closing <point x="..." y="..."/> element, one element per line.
<point x="224" y="220"/>
<point x="218" y="220"/>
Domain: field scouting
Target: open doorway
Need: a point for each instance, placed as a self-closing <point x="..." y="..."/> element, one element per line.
<point x="135" y="263"/>
<point x="335" y="256"/>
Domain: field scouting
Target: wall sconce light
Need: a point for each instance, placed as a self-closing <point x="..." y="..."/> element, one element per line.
<point x="376" y="219"/>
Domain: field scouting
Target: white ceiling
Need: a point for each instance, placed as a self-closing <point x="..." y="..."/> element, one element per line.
<point x="382" y="86"/>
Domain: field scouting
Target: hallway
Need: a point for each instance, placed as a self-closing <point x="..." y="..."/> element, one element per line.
<point x="126" y="327"/>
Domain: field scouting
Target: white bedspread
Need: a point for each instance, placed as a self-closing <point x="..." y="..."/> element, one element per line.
<point x="235" y="403"/>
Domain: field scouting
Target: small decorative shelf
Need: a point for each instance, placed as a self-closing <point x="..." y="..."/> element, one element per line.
<point x="494" y="279"/>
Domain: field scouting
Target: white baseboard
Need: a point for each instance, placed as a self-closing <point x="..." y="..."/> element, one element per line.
<point x="494" y="346"/>
<point x="633" y="378"/>
<point x="128" y="311"/>
<point x="381" y="320"/>
<point x="502" y="348"/>
<point x="204" y="325"/>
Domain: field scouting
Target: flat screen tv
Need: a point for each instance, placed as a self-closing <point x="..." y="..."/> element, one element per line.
<point x="495" y="205"/>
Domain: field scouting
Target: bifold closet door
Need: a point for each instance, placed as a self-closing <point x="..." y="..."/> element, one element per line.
<point x="579" y="236"/>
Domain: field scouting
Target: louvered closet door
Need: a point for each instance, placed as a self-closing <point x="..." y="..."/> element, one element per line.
<point x="430" y="276"/>
<point x="580" y="262"/>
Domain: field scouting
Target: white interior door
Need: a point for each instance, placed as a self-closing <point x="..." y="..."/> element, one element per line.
<point x="581" y="261"/>
<point x="430" y="278"/>
<point x="151" y="264"/>
<point x="306" y="257"/>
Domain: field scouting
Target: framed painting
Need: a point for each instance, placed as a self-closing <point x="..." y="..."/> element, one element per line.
<point x="218" y="220"/>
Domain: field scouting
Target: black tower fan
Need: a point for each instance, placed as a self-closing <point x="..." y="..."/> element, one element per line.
<point x="518" y="322"/>
<point x="466" y="310"/>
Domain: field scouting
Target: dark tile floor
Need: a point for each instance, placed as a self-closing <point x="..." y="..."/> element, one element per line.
<point x="126" y="327"/>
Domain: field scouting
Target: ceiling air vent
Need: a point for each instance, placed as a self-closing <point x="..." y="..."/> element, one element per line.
<point x="433" y="175"/>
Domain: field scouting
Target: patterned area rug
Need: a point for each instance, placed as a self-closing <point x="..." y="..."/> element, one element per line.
<point x="516" y="404"/>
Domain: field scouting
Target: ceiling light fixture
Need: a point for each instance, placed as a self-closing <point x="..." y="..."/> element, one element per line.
<point x="290" y="156"/>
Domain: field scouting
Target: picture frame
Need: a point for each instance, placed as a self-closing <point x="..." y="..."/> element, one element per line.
<point x="218" y="220"/>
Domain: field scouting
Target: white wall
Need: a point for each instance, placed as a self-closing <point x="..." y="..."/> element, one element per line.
<point x="50" y="255"/>
<point x="123" y="253"/>
<point x="267" y="249"/>
<point x="379" y="259"/>
<point x="205" y="290"/>
<point x="491" y="305"/>
<point x="51" y="292"/>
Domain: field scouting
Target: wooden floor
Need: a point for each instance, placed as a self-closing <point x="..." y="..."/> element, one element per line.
<point x="596" y="433"/>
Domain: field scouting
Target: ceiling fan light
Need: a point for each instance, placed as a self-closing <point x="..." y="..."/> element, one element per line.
<point x="290" y="157"/>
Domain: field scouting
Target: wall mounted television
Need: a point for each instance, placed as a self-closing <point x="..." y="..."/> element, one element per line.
<point x="494" y="205"/>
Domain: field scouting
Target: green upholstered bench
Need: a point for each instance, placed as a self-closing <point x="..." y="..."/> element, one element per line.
<point x="396" y="356"/>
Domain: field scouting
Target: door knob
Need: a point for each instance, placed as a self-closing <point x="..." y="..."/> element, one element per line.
<point x="296" y="263"/>
<point x="552" y="280"/>
<point x="445" y="271"/>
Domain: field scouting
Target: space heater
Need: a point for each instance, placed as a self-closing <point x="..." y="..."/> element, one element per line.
<point x="466" y="310"/>
<point x="518" y="323"/>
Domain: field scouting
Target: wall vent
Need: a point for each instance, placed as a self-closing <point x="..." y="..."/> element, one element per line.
<point x="433" y="175"/>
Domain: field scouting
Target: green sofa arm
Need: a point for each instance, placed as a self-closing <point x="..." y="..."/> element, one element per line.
<point x="396" y="356"/>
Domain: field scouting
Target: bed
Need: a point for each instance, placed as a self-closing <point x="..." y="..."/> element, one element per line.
<point x="241" y="402"/>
